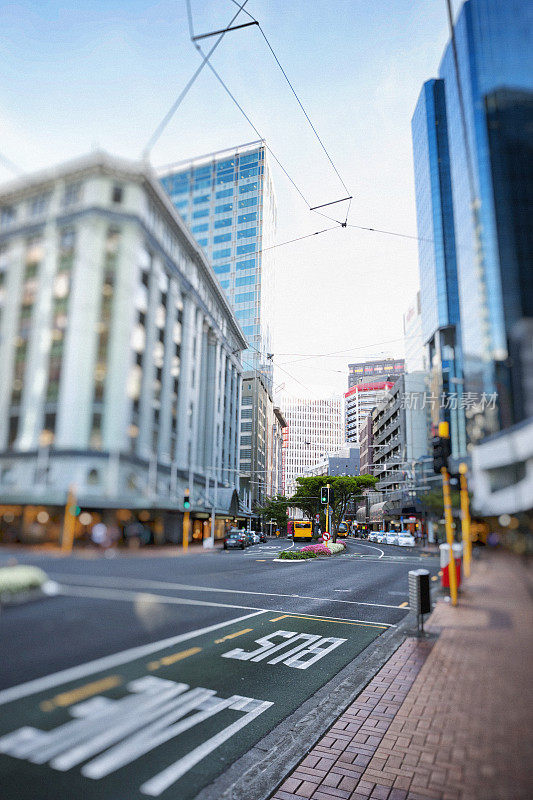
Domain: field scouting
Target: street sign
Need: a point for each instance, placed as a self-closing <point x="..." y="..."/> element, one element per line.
<point x="326" y="536"/>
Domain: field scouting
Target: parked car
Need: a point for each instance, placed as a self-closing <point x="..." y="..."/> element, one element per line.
<point x="380" y="537"/>
<point x="371" y="536"/>
<point x="235" y="539"/>
<point x="392" y="537"/>
<point x="406" y="539"/>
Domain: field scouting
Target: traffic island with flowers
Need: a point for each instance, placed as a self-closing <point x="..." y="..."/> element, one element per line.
<point x="21" y="583"/>
<point x="312" y="551"/>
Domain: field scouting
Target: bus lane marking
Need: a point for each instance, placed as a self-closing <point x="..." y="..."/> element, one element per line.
<point x="172" y="659"/>
<point x="81" y="693"/>
<point x="233" y="635"/>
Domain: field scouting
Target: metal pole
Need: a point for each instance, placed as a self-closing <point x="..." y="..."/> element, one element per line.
<point x="449" y="532"/>
<point x="465" y="520"/>
<point x="327" y="510"/>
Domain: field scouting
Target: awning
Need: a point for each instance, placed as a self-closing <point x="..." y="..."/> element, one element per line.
<point x="379" y="511"/>
<point x="360" y="514"/>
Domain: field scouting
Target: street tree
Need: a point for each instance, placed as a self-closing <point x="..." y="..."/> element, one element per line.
<point x="346" y="489"/>
<point x="275" y="508"/>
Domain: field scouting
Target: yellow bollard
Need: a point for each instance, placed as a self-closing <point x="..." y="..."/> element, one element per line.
<point x="69" y="521"/>
<point x="449" y="532"/>
<point x="465" y="520"/>
<point x="186" y="525"/>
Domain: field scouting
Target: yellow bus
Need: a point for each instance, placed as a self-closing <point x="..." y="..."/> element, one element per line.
<point x="303" y="529"/>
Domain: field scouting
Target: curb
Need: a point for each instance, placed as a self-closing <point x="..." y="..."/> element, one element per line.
<point x="260" y="771"/>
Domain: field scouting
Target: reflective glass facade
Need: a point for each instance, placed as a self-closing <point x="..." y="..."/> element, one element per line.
<point x="493" y="41"/>
<point x="228" y="202"/>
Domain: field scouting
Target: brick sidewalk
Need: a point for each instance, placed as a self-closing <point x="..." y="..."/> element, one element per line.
<point x="447" y="719"/>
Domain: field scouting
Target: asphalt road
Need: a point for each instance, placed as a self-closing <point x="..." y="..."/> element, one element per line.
<point x="149" y="676"/>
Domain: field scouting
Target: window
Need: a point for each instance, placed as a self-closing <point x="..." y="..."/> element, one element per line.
<point x="224" y="207"/>
<point x="248" y="264"/>
<point x="246" y="234"/>
<point x="223" y="253"/>
<point x="202" y="242"/>
<point x="202" y="212"/>
<point x="248" y="187"/>
<point x="200" y="228"/>
<point x="247" y="297"/>
<point x="224" y="284"/>
<point x="248" y="280"/>
<point x="248" y="201"/>
<point x="204" y="198"/>
<point x="39" y="204"/>
<point x="117" y="193"/>
<point x="7" y="215"/>
<point x="245" y="248"/>
<point x="247" y="217"/>
<point x="72" y="193"/>
<point x="224" y="237"/>
<point x="224" y="193"/>
<point x="223" y="223"/>
<point x="220" y="269"/>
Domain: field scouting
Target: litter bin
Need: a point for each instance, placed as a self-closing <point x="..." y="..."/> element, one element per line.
<point x="419" y="594"/>
<point x="445" y="563"/>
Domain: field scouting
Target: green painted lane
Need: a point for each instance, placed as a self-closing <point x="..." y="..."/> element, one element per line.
<point x="167" y="723"/>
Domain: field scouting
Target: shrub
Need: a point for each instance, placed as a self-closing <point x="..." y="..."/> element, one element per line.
<point x="318" y="549"/>
<point x="20" y="579"/>
<point x="296" y="555"/>
<point x="336" y="547"/>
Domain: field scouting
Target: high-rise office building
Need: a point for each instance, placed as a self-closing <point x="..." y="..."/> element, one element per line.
<point x="227" y="199"/>
<point x="314" y="429"/>
<point x="493" y="45"/>
<point x="368" y="381"/>
<point x="120" y="376"/>
<point x="375" y="370"/>
<point x="439" y="296"/>
<point x="415" y="360"/>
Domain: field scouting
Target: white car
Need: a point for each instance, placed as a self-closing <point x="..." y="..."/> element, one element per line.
<point x="381" y="537"/>
<point x="372" y="536"/>
<point x="405" y="539"/>
<point x="256" y="538"/>
<point x="392" y="537"/>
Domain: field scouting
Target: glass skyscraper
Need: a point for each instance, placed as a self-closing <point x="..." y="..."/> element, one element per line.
<point x="493" y="40"/>
<point x="470" y="282"/>
<point x="439" y="297"/>
<point x="227" y="199"/>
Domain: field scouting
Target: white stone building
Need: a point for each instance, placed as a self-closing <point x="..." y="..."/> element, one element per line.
<point x="315" y="428"/>
<point x="120" y="371"/>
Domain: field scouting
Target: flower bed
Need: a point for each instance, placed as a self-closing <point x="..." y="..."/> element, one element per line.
<point x="317" y="549"/>
<point x="336" y="547"/>
<point x="14" y="580"/>
<point x="296" y="555"/>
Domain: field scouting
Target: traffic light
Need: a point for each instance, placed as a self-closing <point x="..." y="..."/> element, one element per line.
<point x="324" y="492"/>
<point x="186" y="500"/>
<point x="74" y="510"/>
<point x="441" y="453"/>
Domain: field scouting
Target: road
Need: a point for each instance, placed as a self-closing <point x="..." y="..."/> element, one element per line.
<point x="149" y="676"/>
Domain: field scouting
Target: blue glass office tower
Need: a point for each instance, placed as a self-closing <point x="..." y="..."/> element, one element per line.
<point x="227" y="199"/>
<point x="439" y="297"/>
<point x="493" y="39"/>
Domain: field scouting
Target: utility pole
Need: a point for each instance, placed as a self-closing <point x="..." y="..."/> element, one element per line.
<point x="465" y="519"/>
<point x="449" y="533"/>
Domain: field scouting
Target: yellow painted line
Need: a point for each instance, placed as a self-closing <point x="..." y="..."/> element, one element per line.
<point x="81" y="693"/>
<point x="260" y="559"/>
<point x="433" y="577"/>
<point x="166" y="660"/>
<point x="338" y="621"/>
<point x="233" y="635"/>
<point x="404" y="604"/>
<point x="277" y="619"/>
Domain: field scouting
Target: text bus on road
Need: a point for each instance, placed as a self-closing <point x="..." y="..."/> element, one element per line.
<point x="303" y="529"/>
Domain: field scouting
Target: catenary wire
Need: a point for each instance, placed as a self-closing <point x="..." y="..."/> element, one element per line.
<point x="172" y="110"/>
<point x="297" y="99"/>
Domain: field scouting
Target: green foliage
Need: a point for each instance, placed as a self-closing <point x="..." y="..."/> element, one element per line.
<point x="346" y="488"/>
<point x="296" y="555"/>
<point x="275" y="508"/>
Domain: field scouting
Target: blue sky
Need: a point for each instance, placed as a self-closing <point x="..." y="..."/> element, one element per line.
<point x="78" y="75"/>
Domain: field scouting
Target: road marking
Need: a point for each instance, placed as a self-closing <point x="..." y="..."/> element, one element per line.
<point x="233" y="635"/>
<point x="260" y="559"/>
<point x="130" y="596"/>
<point x="336" y="620"/>
<point x="172" y="659"/>
<point x="358" y="544"/>
<point x="79" y="581"/>
<point x="403" y="605"/>
<point x="81" y="693"/>
<point x="111" y="661"/>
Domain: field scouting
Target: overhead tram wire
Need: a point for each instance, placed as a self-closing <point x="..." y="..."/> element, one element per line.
<point x="172" y="110"/>
<point x="293" y="90"/>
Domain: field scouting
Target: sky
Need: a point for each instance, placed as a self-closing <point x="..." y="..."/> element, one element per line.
<point x="103" y="73"/>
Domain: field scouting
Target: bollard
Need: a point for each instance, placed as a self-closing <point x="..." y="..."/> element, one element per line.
<point x="419" y="595"/>
<point x="445" y="563"/>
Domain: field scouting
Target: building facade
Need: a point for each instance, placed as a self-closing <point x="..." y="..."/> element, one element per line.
<point x="366" y="452"/>
<point x="381" y="369"/>
<point x="314" y="429"/>
<point x="359" y="402"/>
<point x="345" y="462"/>
<point x="274" y="476"/>
<point x="493" y="53"/>
<point x="256" y="415"/>
<point x="415" y="360"/>
<point x="120" y="373"/>
<point x="439" y="293"/>
<point x="227" y="200"/>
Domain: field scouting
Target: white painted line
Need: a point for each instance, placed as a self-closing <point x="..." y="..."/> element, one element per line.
<point x="358" y="544"/>
<point x="184" y="587"/>
<point x="109" y="662"/>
